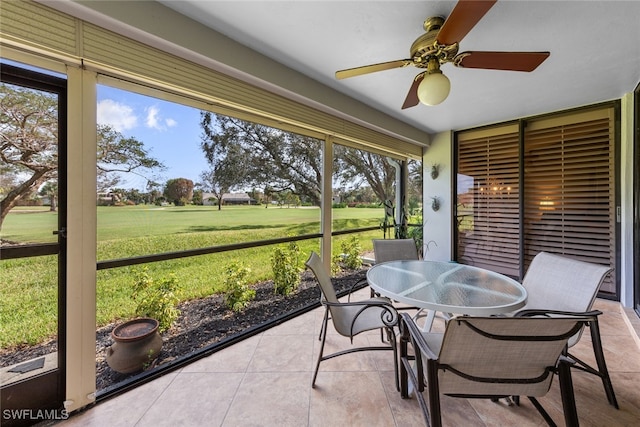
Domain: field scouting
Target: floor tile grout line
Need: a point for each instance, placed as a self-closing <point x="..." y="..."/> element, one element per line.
<point x="242" y="380"/>
<point x="164" y="390"/>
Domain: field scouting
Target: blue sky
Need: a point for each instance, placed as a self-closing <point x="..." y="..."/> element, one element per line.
<point x="170" y="131"/>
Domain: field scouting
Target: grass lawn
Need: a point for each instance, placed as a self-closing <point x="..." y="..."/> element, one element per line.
<point x="29" y="286"/>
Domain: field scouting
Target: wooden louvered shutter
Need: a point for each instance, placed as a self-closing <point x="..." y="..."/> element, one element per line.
<point x="487" y="202"/>
<point x="569" y="188"/>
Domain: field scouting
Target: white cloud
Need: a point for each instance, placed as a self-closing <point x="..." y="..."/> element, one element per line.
<point x="152" y="118"/>
<point x="119" y="116"/>
<point x="154" y="121"/>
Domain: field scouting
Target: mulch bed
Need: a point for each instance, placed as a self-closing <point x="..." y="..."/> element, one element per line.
<point x="202" y="323"/>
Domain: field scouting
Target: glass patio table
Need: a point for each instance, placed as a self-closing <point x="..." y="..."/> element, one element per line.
<point x="447" y="287"/>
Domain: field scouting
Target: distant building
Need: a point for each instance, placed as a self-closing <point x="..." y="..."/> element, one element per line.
<point x="210" y="199"/>
<point x="107" y="199"/>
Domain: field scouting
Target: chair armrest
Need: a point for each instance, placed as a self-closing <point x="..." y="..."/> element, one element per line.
<point x="409" y="331"/>
<point x="550" y="313"/>
<point x="388" y="315"/>
<point x="376" y="302"/>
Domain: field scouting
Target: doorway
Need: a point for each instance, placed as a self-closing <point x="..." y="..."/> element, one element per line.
<point x="33" y="246"/>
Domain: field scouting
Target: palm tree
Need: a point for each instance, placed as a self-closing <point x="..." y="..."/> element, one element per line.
<point x="50" y="190"/>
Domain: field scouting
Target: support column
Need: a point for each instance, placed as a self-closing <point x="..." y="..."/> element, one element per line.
<point x="327" y="201"/>
<point x="81" y="240"/>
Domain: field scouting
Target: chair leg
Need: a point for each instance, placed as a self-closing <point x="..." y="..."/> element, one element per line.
<point x="394" y="344"/>
<point x="323" y="336"/>
<point x="602" y="365"/>
<point x="404" y="356"/>
<point x="324" y="322"/>
<point x="411" y="377"/>
<point x="543" y="412"/>
<point x="567" y="394"/>
<point x="602" y="370"/>
<point x="434" y="393"/>
<point x="373" y="295"/>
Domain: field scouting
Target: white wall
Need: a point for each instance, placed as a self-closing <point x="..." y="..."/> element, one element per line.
<point x="438" y="226"/>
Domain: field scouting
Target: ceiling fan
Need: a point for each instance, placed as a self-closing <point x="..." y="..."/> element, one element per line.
<point x="439" y="45"/>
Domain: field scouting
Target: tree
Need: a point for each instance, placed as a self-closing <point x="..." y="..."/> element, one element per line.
<point x="117" y="154"/>
<point x="228" y="160"/>
<point x="354" y="166"/>
<point x="281" y="160"/>
<point x="50" y="190"/>
<point x="28" y="142"/>
<point x="414" y="190"/>
<point x="154" y="192"/>
<point x="197" y="197"/>
<point x="179" y="191"/>
<point x="29" y="147"/>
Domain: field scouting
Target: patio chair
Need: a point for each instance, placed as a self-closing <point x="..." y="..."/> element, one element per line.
<point x="351" y="318"/>
<point x="400" y="250"/>
<point x="556" y="284"/>
<point x="490" y="358"/>
<point x="393" y="250"/>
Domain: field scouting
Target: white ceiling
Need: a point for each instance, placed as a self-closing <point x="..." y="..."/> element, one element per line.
<point x="594" y="45"/>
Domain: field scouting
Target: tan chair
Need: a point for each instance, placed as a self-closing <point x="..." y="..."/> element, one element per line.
<point x="490" y="358"/>
<point x="390" y="250"/>
<point x="558" y="284"/>
<point x="394" y="250"/>
<point x="401" y="250"/>
<point x="352" y="318"/>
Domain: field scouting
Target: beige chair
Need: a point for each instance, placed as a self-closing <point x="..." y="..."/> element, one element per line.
<point x="490" y="358"/>
<point x="401" y="250"/>
<point x="560" y="284"/>
<point x="390" y="250"/>
<point x="394" y="250"/>
<point x="352" y="318"/>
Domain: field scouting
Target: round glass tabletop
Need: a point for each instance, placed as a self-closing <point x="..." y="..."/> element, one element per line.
<point x="447" y="287"/>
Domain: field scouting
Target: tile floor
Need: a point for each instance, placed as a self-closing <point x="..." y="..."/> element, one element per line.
<point x="265" y="381"/>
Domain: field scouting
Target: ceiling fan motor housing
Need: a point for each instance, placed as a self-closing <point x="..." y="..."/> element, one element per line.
<point x="426" y="46"/>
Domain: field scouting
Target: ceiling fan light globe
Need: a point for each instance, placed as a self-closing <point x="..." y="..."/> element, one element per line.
<point x="434" y="88"/>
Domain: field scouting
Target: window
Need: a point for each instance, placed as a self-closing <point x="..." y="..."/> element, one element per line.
<point x="545" y="184"/>
<point x="487" y="201"/>
<point x="568" y="193"/>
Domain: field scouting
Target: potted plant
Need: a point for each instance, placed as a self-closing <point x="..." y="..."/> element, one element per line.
<point x="137" y="342"/>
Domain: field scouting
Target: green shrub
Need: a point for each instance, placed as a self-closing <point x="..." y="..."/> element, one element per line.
<point x="157" y="298"/>
<point x="286" y="269"/>
<point x="237" y="294"/>
<point x="351" y="249"/>
<point x="336" y="260"/>
<point x="416" y="232"/>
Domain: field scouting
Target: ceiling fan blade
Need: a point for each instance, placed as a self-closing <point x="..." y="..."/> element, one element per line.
<point x="464" y="16"/>
<point x="366" y="69"/>
<point x="511" y="61"/>
<point x="412" y="97"/>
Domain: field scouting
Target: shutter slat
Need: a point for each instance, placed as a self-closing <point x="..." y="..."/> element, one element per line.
<point x="568" y="192"/>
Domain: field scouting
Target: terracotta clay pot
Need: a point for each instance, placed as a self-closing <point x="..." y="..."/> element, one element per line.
<point x="137" y="344"/>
